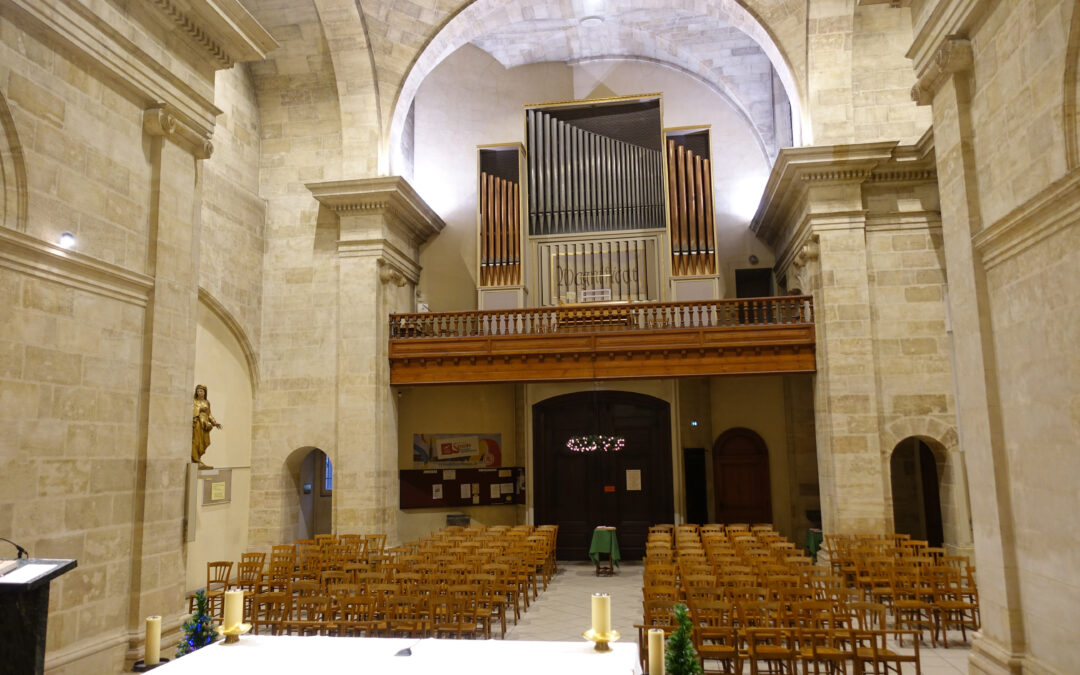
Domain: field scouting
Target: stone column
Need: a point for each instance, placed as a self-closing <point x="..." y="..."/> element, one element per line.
<point x="845" y="389"/>
<point x="999" y="646"/>
<point x="381" y="224"/>
<point x="157" y="581"/>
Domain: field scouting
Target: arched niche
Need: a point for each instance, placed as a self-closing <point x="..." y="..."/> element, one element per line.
<point x="914" y="476"/>
<point x="222" y="366"/>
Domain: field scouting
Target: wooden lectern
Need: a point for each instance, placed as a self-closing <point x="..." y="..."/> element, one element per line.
<point x="24" y="612"/>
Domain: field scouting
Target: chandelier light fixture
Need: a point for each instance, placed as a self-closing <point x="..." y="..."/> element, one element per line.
<point x="595" y="443"/>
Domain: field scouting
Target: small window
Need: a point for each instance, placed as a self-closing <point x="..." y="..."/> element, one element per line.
<point x="328" y="476"/>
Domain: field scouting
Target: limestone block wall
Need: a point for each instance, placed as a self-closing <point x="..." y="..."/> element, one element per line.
<point x="233" y="213"/>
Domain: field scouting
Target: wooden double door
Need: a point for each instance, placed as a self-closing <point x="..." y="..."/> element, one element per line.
<point x="578" y="491"/>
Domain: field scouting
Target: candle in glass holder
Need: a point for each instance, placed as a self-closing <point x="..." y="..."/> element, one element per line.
<point x="234" y="608"/>
<point x="601" y="613"/>
<point x="656" y="651"/>
<point x="153" y="641"/>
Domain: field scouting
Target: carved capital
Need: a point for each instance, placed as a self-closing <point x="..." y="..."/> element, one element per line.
<point x="164" y="120"/>
<point x="388" y="274"/>
<point x="952" y="57"/>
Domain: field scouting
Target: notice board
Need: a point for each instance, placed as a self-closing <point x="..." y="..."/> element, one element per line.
<point x="428" y="488"/>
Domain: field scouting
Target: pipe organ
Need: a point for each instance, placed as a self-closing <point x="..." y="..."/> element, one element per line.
<point x="690" y="204"/>
<point x="586" y="181"/>
<point x="499" y="203"/>
<point x="595" y="207"/>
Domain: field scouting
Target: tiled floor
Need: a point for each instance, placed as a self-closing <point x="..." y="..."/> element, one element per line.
<point x="562" y="613"/>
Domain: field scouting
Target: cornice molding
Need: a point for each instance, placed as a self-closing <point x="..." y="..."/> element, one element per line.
<point x="221" y="30"/>
<point x="952" y="57"/>
<point x="787" y="218"/>
<point x="31" y="256"/>
<point x="165" y="120"/>
<point x="1054" y="209"/>
<point x="388" y="196"/>
<point x="948" y="19"/>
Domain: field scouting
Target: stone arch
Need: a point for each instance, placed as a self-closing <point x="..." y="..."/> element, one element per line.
<point x="13" y="195"/>
<point x="943" y="441"/>
<point x="1072" y="91"/>
<point x="237" y="331"/>
<point x="480" y="16"/>
<point x="292" y="469"/>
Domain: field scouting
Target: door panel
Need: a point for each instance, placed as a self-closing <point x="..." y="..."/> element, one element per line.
<point x="580" y="491"/>
<point x="741" y="478"/>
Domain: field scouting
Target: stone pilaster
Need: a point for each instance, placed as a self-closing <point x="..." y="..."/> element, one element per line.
<point x="946" y="84"/>
<point x="381" y="224"/>
<point x="176" y="149"/>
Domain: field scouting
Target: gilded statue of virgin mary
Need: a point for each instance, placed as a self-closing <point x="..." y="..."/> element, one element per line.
<point x="202" y="421"/>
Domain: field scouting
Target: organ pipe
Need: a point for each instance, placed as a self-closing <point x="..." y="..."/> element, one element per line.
<point x="693" y="228"/>
<point x="500" y="231"/>
<point x="583" y="181"/>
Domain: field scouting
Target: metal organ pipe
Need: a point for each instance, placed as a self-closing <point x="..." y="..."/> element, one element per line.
<point x="587" y="182"/>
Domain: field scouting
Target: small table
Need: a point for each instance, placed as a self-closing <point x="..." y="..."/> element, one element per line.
<point x="604" y="541"/>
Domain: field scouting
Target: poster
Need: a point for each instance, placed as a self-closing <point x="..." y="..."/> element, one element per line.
<point x="460" y="450"/>
<point x="436" y="491"/>
<point x="633" y="479"/>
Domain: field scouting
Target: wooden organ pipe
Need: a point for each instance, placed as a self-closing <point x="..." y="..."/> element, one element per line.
<point x="693" y="229"/>
<point x="500" y="231"/>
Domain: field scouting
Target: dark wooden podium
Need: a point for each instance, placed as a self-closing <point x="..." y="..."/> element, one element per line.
<point x="24" y="613"/>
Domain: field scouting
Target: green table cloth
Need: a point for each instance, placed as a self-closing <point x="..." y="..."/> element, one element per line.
<point x="813" y="542"/>
<point x="604" y="541"/>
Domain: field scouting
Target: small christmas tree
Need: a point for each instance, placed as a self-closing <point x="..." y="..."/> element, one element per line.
<point x="680" y="657"/>
<point x="198" y="630"/>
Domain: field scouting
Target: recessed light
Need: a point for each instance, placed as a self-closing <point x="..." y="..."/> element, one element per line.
<point x="67" y="240"/>
<point x="693" y="423"/>
<point x="592" y="21"/>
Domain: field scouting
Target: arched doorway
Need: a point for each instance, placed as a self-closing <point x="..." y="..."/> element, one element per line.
<point x="916" y="494"/>
<point x="630" y="489"/>
<point x="316" y="495"/>
<point x="741" y="478"/>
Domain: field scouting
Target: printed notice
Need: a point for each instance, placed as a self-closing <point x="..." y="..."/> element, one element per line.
<point x="495" y="491"/>
<point x="436" y="491"/>
<point x="476" y="499"/>
<point x="504" y="473"/>
<point x="633" y="479"/>
<point x="217" y="491"/>
<point x="449" y="474"/>
<point x="466" y="491"/>
<point x="506" y="488"/>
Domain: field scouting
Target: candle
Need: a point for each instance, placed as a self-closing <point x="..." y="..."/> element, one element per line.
<point x="153" y="641"/>
<point x="601" y="613"/>
<point x="234" y="609"/>
<point x="656" y="651"/>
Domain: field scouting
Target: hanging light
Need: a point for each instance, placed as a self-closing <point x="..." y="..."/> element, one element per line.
<point x="595" y="443"/>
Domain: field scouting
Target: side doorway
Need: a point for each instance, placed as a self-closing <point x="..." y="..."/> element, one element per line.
<point x="741" y="478"/>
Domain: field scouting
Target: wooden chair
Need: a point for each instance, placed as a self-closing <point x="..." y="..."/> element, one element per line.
<point x="870" y="647"/>
<point x="359" y="617"/>
<point x="824" y="649"/>
<point x="954" y="610"/>
<point x="312" y="616"/>
<point x="770" y="650"/>
<point x="405" y="617"/>
<point x="217" y="581"/>
<point x="270" y="611"/>
<point x="716" y="638"/>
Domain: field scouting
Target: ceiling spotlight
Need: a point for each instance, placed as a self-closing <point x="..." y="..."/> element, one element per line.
<point x="592" y="21"/>
<point x="67" y="240"/>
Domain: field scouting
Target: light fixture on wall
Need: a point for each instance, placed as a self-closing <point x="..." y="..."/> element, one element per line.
<point x="592" y="21"/>
<point x="67" y="240"/>
<point x="753" y="259"/>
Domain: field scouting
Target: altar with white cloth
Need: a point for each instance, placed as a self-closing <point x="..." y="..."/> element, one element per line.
<point x="291" y="655"/>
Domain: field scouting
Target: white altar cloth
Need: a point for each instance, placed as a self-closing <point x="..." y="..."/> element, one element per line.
<point x="291" y="655"/>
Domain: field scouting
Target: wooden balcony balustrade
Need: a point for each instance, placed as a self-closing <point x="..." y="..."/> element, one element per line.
<point x="576" y="342"/>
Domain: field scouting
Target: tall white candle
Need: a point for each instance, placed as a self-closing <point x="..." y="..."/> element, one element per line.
<point x="234" y="608"/>
<point x="601" y="613"/>
<point x="153" y="641"/>
<point x="656" y="651"/>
